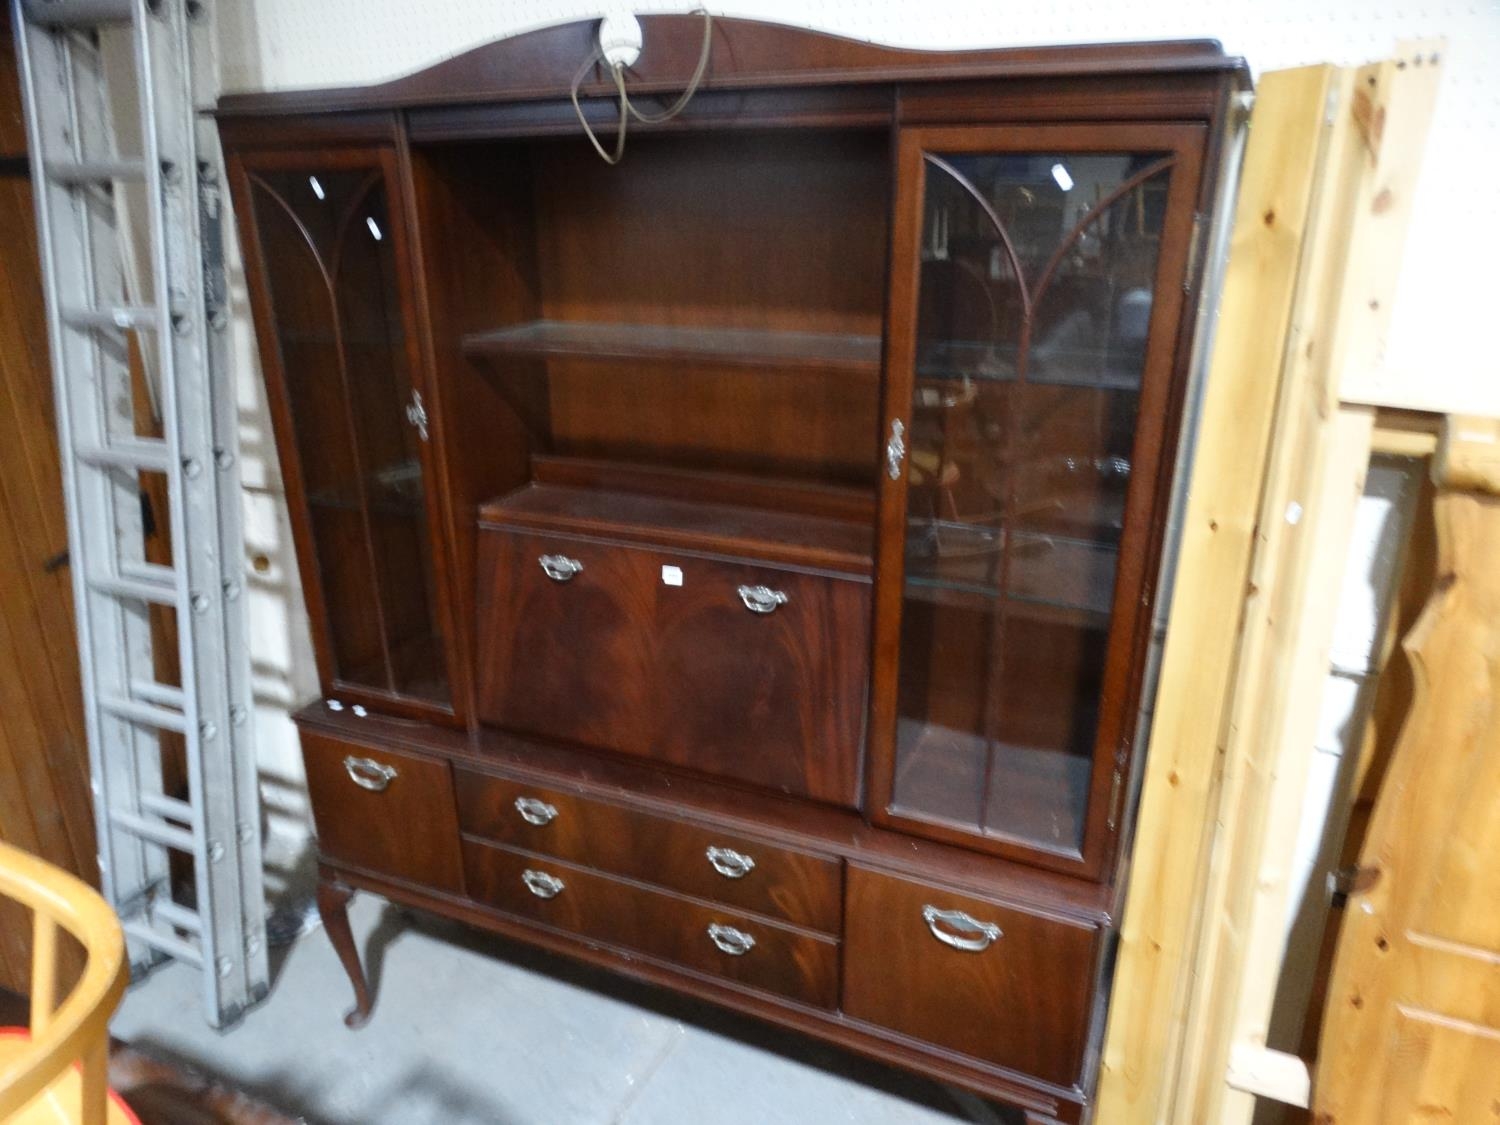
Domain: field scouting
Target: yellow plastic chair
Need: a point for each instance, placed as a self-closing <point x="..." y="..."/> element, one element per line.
<point x="58" y="1071"/>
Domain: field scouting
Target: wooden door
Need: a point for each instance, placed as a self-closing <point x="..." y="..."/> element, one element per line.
<point x="1411" y="1030"/>
<point x="328" y="261"/>
<point x="44" y="776"/>
<point x="1034" y="359"/>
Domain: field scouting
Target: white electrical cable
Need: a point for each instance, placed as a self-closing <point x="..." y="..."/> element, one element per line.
<point x="628" y="110"/>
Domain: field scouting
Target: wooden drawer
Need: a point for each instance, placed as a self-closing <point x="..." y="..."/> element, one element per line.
<point x="779" y="959"/>
<point x="1019" y="996"/>
<point x="616" y="657"/>
<point x="385" y="811"/>
<point x="801" y="888"/>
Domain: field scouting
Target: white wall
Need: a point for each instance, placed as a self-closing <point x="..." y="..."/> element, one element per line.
<point x="1440" y="355"/>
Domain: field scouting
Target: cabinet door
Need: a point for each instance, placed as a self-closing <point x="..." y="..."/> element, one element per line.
<point x="1037" y="295"/>
<point x="327" y="261"/>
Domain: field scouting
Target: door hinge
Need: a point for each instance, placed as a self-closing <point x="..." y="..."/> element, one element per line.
<point x="1195" y="251"/>
<point x="1116" y="796"/>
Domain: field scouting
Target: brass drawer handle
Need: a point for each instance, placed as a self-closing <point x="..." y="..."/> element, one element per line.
<point x="541" y="884"/>
<point x="369" y="774"/>
<point x="730" y="863"/>
<point x="535" y="812"/>
<point x="560" y="568"/>
<point x="761" y="599"/>
<point x="974" y="936"/>
<point x="734" y="942"/>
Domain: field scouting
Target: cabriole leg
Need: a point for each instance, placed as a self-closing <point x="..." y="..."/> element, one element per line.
<point x="333" y="908"/>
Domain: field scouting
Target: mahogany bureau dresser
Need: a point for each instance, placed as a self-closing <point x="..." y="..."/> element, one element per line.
<point x="734" y="566"/>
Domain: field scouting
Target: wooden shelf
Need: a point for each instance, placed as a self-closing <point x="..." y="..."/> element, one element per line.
<point x="728" y="529"/>
<point x="739" y="347"/>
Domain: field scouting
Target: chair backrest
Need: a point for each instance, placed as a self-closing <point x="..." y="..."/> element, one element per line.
<point x="76" y="1030"/>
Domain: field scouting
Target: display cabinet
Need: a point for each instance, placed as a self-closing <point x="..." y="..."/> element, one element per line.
<point x="331" y="286"/>
<point x="735" y="566"/>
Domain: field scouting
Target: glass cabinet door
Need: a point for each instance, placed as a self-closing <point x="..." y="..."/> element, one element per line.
<point x="330" y="311"/>
<point x="1033" y="340"/>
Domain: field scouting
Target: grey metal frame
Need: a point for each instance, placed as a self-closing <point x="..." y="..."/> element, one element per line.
<point x="173" y="294"/>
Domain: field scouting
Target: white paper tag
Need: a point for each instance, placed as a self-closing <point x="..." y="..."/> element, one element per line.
<point x="671" y="575"/>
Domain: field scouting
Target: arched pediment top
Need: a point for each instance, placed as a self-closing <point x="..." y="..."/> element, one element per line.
<point x="746" y="54"/>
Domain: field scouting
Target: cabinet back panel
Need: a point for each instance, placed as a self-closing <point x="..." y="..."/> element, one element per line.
<point x="774" y="231"/>
<point x="741" y="230"/>
<point x="815" y="425"/>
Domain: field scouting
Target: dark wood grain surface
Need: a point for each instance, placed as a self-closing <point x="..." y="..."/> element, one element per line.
<point x="746" y="55"/>
<point x="1023" y="1002"/>
<point x="790" y="962"/>
<point x="615" y="658"/>
<point x="696" y="525"/>
<point x="795" y="886"/>
<point x="747" y="347"/>
<point x="409" y="829"/>
<point x="661" y="791"/>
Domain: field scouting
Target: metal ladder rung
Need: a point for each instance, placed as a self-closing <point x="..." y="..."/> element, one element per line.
<point x="163" y="695"/>
<point x="147" y="454"/>
<point x="137" y="712"/>
<point x="169" y="808"/>
<point x="118" y="318"/>
<point x="77" y="13"/>
<point x="167" y="943"/>
<point x="176" y="915"/>
<point x="168" y="835"/>
<point x="142" y="571"/>
<point x="73" y="173"/>
<point x="140" y="589"/>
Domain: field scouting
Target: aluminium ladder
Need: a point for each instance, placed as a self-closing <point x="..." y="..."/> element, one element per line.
<point x="131" y="249"/>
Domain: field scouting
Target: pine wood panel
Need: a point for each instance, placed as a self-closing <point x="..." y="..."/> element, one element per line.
<point x="1315" y="478"/>
<point x="1218" y="539"/>
<point x="1415" y="980"/>
<point x="44" y="783"/>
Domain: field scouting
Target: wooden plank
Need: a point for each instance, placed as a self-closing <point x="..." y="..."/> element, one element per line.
<point x="1317" y="468"/>
<point x="1269" y="749"/>
<point x="1182" y="773"/>
<point x="1406" y="433"/>
<point x="1394" y="142"/>
<point x="1416" y="979"/>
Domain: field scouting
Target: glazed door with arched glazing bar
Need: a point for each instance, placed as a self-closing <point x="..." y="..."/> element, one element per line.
<point x="331" y="288"/>
<point x="1034" y="372"/>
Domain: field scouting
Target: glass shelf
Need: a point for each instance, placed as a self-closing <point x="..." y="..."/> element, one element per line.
<point x="960" y="360"/>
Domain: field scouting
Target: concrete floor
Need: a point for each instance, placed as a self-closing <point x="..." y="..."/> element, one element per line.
<point x="470" y="1029"/>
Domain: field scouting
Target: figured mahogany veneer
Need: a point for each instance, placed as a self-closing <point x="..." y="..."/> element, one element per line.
<point x="1020" y="998"/>
<point x="615" y="657"/>
<point x="776" y="958"/>
<point x="795" y="538"/>
<point x="794" y="886"/>
<point x="403" y="824"/>
<point x="735" y="567"/>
